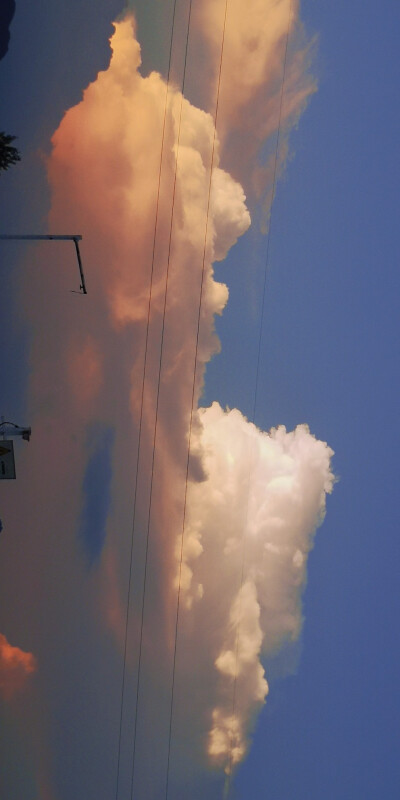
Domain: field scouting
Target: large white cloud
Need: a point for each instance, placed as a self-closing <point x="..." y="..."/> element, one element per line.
<point x="254" y="499"/>
<point x="250" y="527"/>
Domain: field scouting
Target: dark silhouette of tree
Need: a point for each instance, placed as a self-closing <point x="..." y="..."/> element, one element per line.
<point x="8" y="153"/>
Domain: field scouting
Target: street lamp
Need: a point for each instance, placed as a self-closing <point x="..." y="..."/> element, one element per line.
<point x="76" y="238"/>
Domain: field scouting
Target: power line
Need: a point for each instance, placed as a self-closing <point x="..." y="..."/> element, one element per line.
<point x="157" y="400"/>
<point x="142" y="399"/>
<point x="193" y="394"/>
<point x="192" y="402"/>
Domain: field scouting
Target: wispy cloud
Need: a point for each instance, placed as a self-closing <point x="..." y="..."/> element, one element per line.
<point x="266" y="81"/>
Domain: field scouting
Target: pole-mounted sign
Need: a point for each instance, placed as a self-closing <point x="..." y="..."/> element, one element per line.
<point x="7" y="461"/>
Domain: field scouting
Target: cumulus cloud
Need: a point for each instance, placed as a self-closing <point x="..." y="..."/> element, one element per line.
<point x="130" y="171"/>
<point x="112" y="175"/>
<point x="15" y="668"/>
<point x="250" y="527"/>
<point x="105" y="171"/>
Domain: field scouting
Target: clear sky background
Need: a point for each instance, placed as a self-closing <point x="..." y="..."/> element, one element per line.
<point x="329" y="358"/>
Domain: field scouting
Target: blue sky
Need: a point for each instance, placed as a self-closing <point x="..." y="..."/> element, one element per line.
<point x="331" y="350"/>
<point x="329" y="357"/>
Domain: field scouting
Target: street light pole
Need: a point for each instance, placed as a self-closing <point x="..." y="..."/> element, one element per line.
<point x="76" y="238"/>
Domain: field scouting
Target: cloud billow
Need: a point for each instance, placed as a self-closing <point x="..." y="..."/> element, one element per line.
<point x="254" y="499"/>
<point x="250" y="527"/>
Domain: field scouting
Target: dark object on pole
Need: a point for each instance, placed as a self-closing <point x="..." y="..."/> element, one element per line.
<point x="7" y="461"/>
<point x="11" y="429"/>
<point x="9" y="154"/>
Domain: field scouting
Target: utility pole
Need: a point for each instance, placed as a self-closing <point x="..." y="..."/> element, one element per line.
<point x="76" y="238"/>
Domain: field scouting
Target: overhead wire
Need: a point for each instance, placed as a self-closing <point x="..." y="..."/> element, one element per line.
<point x="157" y="402"/>
<point x="142" y="399"/>
<point x="258" y="361"/>
<point x="195" y="362"/>
<point x="193" y="392"/>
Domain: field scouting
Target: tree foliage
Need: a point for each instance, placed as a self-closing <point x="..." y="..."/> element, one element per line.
<point x="8" y="153"/>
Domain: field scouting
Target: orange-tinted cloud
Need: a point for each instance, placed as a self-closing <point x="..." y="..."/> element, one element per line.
<point x="15" y="668"/>
<point x="108" y="177"/>
<point x="112" y="175"/>
<point x="264" y="47"/>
